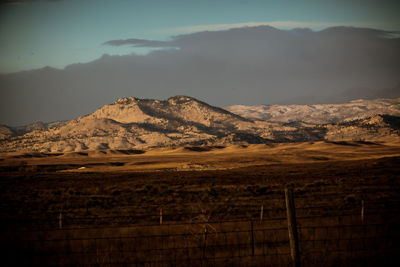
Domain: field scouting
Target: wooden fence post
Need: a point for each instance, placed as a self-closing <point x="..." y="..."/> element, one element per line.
<point x="362" y="211"/>
<point x="60" y="221"/>
<point x="292" y="227"/>
<point x="204" y="245"/>
<point x="252" y="238"/>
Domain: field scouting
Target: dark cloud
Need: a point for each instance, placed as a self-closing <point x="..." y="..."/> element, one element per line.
<point x="138" y="43"/>
<point x="12" y="2"/>
<point x="254" y="65"/>
<point x="19" y="2"/>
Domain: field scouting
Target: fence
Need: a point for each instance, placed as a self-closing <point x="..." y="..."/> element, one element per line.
<point x="364" y="233"/>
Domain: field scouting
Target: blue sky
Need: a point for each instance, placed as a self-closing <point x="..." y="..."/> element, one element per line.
<point x="34" y="34"/>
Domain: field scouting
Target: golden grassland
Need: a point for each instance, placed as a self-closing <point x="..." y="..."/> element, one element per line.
<point x="201" y="157"/>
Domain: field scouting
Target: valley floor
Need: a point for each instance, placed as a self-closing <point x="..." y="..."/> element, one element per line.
<point x="198" y="157"/>
<point x="202" y="206"/>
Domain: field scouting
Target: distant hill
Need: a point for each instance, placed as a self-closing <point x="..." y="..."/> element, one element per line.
<point x="132" y="123"/>
<point x="6" y="132"/>
<point x="319" y="113"/>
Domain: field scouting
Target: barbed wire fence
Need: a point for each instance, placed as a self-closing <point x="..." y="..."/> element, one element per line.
<point x="346" y="232"/>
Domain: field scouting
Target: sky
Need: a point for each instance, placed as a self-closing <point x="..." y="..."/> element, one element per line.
<point x="60" y="59"/>
<point x="35" y="34"/>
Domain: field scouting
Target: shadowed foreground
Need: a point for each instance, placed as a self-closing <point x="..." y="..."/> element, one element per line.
<point x="347" y="215"/>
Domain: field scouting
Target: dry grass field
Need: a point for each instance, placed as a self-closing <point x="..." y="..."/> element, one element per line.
<point x="203" y="206"/>
<point x="199" y="157"/>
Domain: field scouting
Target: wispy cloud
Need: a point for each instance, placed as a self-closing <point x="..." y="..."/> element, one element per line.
<point x="278" y="24"/>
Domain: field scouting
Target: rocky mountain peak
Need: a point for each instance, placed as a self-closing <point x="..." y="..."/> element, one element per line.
<point x="126" y="100"/>
<point x="180" y="99"/>
<point x="174" y="100"/>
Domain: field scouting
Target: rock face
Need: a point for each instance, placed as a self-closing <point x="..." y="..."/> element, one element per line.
<point x="132" y="123"/>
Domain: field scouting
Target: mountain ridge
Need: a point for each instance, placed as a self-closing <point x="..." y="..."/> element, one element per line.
<point x="319" y="113"/>
<point x="134" y="123"/>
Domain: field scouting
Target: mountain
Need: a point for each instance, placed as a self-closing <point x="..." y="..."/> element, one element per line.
<point x="175" y="110"/>
<point x="319" y="113"/>
<point x="139" y="123"/>
<point x="133" y="123"/>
